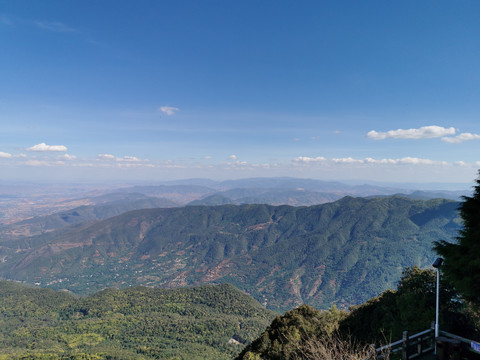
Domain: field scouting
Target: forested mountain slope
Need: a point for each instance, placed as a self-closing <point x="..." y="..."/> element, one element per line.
<point x="343" y="252"/>
<point x="208" y="322"/>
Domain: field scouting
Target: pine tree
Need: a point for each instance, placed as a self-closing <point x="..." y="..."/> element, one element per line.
<point x="462" y="261"/>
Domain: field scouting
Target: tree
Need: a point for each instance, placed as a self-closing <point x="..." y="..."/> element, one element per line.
<point x="462" y="261"/>
<point x="305" y="333"/>
<point x="411" y="307"/>
<point x="296" y="334"/>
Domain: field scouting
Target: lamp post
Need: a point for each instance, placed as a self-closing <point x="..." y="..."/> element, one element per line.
<point x="437" y="265"/>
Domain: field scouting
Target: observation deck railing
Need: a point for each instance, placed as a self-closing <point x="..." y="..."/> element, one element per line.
<point x="422" y="345"/>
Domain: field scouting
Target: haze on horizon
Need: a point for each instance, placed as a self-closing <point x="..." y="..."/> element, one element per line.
<point x="163" y="90"/>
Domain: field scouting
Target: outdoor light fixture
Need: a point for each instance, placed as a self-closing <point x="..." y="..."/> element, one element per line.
<point x="437" y="265"/>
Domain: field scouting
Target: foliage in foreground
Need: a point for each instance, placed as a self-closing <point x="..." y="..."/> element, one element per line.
<point x="288" y="335"/>
<point x="306" y="333"/>
<point x="462" y="263"/>
<point x="411" y="307"/>
<point x="138" y="323"/>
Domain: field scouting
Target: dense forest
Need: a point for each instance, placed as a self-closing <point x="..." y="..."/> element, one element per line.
<point x="214" y="322"/>
<point x="208" y="322"/>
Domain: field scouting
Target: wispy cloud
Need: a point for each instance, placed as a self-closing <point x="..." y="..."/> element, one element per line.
<point x="37" y="163"/>
<point x="168" y="110"/>
<point x="54" y="26"/>
<point x="232" y="157"/>
<point x="42" y="147"/>
<point x="304" y="160"/>
<point x="5" y="155"/>
<point x="105" y="157"/>
<point x="122" y="160"/>
<point x="129" y="159"/>
<point x="68" y="157"/>
<point x="424" y="132"/>
<point x="44" y="163"/>
<point x="461" y="138"/>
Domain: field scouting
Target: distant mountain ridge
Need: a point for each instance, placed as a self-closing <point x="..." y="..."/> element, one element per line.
<point x="329" y="190"/>
<point x="343" y="252"/>
<point x="267" y="196"/>
<point x="27" y="203"/>
<point x="101" y="207"/>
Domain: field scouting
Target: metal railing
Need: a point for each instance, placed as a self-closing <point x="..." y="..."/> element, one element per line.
<point x="417" y="345"/>
<point x="468" y="348"/>
<point x="410" y="346"/>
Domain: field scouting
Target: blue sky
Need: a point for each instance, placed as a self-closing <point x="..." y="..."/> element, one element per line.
<point x="160" y="90"/>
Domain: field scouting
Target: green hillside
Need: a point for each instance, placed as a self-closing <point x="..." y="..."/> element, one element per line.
<point x="208" y="322"/>
<point x="337" y="253"/>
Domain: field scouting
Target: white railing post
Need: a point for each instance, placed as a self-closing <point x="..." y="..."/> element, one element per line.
<point x="405" y="346"/>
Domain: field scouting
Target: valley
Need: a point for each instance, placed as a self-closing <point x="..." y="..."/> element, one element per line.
<point x="342" y="252"/>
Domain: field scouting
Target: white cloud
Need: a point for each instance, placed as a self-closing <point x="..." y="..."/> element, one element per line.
<point x="460" y="138"/>
<point x="232" y="157"/>
<point x="349" y="160"/>
<point x="306" y="159"/>
<point x="419" y="161"/>
<point x="169" y="110"/>
<point x="68" y="157"/>
<point x="126" y="161"/>
<point x="424" y="132"/>
<point x="5" y="155"/>
<point x="44" y="147"/>
<point x="132" y="162"/>
<point x="105" y="157"/>
<point x="129" y="158"/>
<point x="208" y="157"/>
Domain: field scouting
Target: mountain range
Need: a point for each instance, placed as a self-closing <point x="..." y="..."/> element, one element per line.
<point x="342" y="252"/>
<point x="25" y="203"/>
